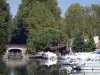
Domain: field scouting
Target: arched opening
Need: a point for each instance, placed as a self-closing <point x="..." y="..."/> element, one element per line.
<point x="15" y="50"/>
<point x="14" y="54"/>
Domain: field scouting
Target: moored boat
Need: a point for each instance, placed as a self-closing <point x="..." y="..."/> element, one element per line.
<point x="49" y="55"/>
<point x="90" y="64"/>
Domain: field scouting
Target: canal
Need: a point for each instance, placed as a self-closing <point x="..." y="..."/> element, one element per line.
<point x="39" y="67"/>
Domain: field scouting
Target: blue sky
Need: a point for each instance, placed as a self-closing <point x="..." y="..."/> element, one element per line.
<point x="63" y="4"/>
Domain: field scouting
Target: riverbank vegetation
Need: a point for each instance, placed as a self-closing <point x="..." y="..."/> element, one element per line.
<point x="5" y="25"/>
<point x="38" y="24"/>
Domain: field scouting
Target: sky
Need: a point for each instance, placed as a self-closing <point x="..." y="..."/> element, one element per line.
<point x="63" y="4"/>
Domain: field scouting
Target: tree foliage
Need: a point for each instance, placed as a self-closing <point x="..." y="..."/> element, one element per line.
<point x="78" y="44"/>
<point x="89" y="44"/>
<point x="74" y="20"/>
<point x="34" y="13"/>
<point x="95" y="9"/>
<point x="84" y="20"/>
<point x="40" y="17"/>
<point x="5" y="19"/>
<point x="34" y="16"/>
<point x="45" y="37"/>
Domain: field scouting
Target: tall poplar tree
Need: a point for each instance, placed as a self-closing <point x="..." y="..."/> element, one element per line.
<point x="74" y="17"/>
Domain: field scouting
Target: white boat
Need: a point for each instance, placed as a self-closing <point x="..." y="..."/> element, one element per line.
<point x="90" y="71"/>
<point x="85" y="72"/>
<point x="67" y="56"/>
<point x="91" y="64"/>
<point x="72" y="59"/>
<point x="85" y="61"/>
<point x="66" y="62"/>
<point x="49" y="55"/>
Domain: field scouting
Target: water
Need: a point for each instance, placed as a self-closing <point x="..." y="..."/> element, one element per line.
<point x="40" y="67"/>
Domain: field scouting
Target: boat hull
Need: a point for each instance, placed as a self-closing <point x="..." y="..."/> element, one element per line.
<point x="90" y="67"/>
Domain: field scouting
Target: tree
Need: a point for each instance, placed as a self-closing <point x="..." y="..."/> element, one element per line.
<point x="62" y="24"/>
<point x="40" y="17"/>
<point x="45" y="37"/>
<point x="90" y="22"/>
<point x="84" y="20"/>
<point x="26" y="12"/>
<point x="95" y="9"/>
<point x="78" y="44"/>
<point x="89" y="44"/>
<point x="5" y="19"/>
<point x="74" y="17"/>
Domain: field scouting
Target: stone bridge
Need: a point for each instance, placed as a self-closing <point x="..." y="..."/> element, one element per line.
<point x="15" y="49"/>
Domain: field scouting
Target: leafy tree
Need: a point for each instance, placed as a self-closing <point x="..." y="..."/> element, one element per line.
<point x="45" y="37"/>
<point x="95" y="9"/>
<point x="84" y="20"/>
<point x="78" y="44"/>
<point x="74" y="17"/>
<point x="90" y="22"/>
<point x="62" y="24"/>
<point x="29" y="16"/>
<point x="40" y="17"/>
<point x="4" y="24"/>
<point x="89" y="44"/>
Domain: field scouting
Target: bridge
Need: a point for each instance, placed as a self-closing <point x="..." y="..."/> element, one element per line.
<point x="15" y="50"/>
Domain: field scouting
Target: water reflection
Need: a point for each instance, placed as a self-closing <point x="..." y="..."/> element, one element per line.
<point x="66" y="68"/>
<point x="15" y="63"/>
<point x="48" y="62"/>
<point x="40" y="67"/>
<point x="4" y="70"/>
<point x="43" y="67"/>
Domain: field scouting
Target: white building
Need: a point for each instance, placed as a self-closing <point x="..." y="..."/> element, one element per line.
<point x="96" y="40"/>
